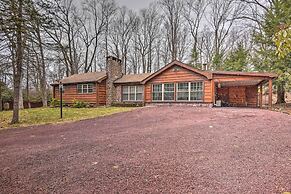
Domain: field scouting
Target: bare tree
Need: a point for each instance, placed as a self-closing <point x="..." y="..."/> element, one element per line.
<point x="222" y="17"/>
<point x="193" y="13"/>
<point x="64" y="34"/>
<point x="174" y="25"/>
<point x="121" y="33"/>
<point x="13" y="26"/>
<point x="99" y="14"/>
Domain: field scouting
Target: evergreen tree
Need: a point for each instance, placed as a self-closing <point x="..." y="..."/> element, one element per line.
<point x="237" y="60"/>
<point x="266" y="58"/>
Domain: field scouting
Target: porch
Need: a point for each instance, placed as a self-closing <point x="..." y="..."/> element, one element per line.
<point x="242" y="90"/>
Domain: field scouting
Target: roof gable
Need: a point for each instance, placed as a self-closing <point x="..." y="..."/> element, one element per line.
<point x="180" y="64"/>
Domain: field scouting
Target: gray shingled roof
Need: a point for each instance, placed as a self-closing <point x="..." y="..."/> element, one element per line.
<point x="132" y="78"/>
<point x="83" y="78"/>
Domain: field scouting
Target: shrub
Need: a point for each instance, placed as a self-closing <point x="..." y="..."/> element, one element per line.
<point x="55" y="102"/>
<point x="80" y="104"/>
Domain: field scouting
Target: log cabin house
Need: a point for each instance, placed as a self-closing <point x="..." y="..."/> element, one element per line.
<point x="174" y="83"/>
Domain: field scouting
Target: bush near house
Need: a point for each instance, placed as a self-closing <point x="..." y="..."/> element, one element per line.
<point x="80" y="104"/>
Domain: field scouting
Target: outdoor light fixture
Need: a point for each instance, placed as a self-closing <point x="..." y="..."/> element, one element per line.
<point x="61" y="87"/>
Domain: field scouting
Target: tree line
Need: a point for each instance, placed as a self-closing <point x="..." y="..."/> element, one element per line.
<point x="46" y="40"/>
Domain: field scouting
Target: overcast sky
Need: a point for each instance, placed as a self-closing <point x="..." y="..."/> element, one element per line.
<point x="135" y="4"/>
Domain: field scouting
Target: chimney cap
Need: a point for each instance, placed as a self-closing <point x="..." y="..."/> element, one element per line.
<point x="113" y="58"/>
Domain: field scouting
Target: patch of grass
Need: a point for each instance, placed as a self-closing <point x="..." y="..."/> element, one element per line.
<point x="38" y="116"/>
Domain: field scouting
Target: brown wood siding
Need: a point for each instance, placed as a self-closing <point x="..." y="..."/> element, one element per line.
<point x="182" y="75"/>
<point x="239" y="96"/>
<point x="71" y="94"/>
<point x="102" y="93"/>
<point x="252" y="96"/>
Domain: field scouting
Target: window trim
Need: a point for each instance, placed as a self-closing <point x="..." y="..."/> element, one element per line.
<point x="163" y="92"/>
<point x="129" y="93"/>
<point x="189" y="91"/>
<point x="82" y="88"/>
<point x="159" y="92"/>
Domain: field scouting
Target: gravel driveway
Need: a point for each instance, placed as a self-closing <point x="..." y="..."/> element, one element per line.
<point x="177" y="149"/>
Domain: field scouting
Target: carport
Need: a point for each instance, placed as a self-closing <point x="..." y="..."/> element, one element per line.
<point x="242" y="89"/>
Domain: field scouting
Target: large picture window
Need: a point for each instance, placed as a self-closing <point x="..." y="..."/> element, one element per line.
<point x="169" y="92"/>
<point x="196" y="92"/>
<point x="190" y="91"/>
<point x="132" y="93"/>
<point x="85" y="88"/>
<point x="183" y="91"/>
<point x="157" y="92"/>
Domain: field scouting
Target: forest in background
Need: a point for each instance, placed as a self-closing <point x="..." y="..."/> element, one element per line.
<point x="46" y="40"/>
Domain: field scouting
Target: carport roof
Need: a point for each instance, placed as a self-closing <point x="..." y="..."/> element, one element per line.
<point x="240" y="83"/>
<point x="255" y="74"/>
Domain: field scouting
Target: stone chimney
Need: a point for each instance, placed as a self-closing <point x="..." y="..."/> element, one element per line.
<point x="114" y="72"/>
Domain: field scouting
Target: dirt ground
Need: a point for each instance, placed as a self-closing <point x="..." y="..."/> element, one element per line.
<point x="179" y="149"/>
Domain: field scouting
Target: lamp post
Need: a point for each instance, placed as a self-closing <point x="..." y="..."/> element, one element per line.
<point x="61" y="98"/>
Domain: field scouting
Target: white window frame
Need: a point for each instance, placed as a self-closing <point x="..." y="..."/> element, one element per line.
<point x="159" y="92"/>
<point x="189" y="92"/>
<point x="177" y="91"/>
<point x="163" y="92"/>
<point x="85" y="86"/>
<point x="129" y="93"/>
<point x="202" y="90"/>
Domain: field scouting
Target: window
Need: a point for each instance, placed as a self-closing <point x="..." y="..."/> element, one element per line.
<point x="196" y="92"/>
<point x="139" y="92"/>
<point x="157" y="92"/>
<point x="125" y="93"/>
<point x="85" y="88"/>
<point x="183" y="91"/>
<point x="132" y="93"/>
<point x="169" y="92"/>
<point x="190" y="91"/>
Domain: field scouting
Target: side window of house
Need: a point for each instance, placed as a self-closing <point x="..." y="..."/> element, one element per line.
<point x="190" y="91"/>
<point x="85" y="88"/>
<point x="125" y="93"/>
<point x="183" y="91"/>
<point x="139" y="93"/>
<point x="169" y="92"/>
<point x="157" y="92"/>
<point x="132" y="93"/>
<point x="196" y="92"/>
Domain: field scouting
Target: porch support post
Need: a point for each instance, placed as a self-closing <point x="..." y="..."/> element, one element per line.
<point x="270" y="92"/>
<point x="261" y="96"/>
<point x="213" y="91"/>
<point x="54" y="91"/>
<point x="97" y="94"/>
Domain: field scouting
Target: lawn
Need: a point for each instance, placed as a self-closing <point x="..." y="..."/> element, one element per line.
<point x="37" y="116"/>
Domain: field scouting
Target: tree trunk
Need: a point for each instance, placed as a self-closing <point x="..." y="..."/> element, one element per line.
<point x="280" y="93"/>
<point x="43" y="74"/>
<point x="18" y="66"/>
<point x="21" y="106"/>
<point x="1" y="107"/>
